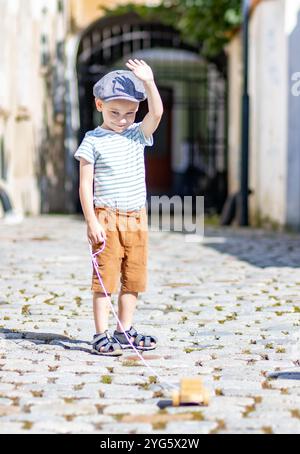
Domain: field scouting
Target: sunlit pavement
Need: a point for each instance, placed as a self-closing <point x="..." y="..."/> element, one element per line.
<point x="226" y="309"/>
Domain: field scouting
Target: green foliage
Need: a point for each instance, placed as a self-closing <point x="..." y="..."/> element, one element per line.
<point x="206" y="22"/>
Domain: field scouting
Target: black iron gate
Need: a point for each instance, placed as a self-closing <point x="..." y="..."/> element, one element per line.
<point x="190" y="153"/>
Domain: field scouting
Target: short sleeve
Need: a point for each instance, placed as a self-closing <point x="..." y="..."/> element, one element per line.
<point x="86" y="150"/>
<point x="140" y="135"/>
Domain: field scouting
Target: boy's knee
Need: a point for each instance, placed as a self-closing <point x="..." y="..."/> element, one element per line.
<point x="101" y="295"/>
<point x="128" y="292"/>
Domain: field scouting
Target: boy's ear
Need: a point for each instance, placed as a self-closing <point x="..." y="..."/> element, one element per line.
<point x="99" y="104"/>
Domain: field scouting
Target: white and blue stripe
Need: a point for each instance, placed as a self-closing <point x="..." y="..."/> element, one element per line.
<point x="119" y="167"/>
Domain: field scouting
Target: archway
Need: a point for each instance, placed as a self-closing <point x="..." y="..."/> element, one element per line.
<point x="190" y="144"/>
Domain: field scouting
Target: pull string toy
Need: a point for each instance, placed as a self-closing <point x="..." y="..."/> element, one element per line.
<point x="96" y="266"/>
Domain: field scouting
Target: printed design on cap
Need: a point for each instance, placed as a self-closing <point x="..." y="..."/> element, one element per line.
<point x="127" y="87"/>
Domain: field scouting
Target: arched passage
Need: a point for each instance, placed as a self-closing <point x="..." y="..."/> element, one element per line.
<point x="190" y="147"/>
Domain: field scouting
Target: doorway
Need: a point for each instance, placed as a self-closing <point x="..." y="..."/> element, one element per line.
<point x="158" y="157"/>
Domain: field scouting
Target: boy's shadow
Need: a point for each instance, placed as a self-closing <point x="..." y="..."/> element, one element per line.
<point x="45" y="338"/>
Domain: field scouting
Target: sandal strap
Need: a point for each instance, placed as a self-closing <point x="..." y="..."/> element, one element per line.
<point x="100" y="339"/>
<point x="106" y="342"/>
<point x="120" y="337"/>
<point x="131" y="332"/>
<point x="138" y="339"/>
<point x="147" y="341"/>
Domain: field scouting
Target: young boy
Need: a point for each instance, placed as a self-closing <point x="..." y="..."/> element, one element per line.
<point x="113" y="197"/>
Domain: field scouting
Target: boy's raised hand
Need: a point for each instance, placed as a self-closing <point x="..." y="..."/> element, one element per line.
<point x="141" y="70"/>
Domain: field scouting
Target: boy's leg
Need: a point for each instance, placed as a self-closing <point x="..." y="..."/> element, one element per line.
<point x="101" y="308"/>
<point x="127" y="304"/>
<point x="134" y="231"/>
<point x="103" y="344"/>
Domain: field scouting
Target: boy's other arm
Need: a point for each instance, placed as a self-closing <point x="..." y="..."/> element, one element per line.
<point x="95" y="230"/>
<point x="155" y="106"/>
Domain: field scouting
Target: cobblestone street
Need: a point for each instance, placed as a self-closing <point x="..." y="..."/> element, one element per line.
<point x="226" y="309"/>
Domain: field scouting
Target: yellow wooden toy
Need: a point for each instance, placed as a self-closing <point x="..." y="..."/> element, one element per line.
<point x="191" y="392"/>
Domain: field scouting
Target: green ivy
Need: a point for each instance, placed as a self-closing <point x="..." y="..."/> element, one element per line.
<point x="206" y="22"/>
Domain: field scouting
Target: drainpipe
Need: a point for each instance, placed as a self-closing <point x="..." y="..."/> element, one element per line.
<point x="244" y="183"/>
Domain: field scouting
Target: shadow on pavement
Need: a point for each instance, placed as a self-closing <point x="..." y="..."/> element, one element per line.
<point x="260" y="248"/>
<point x="285" y="375"/>
<point x="45" y="338"/>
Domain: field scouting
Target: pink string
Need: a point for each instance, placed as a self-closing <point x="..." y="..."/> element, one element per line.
<point x="96" y="266"/>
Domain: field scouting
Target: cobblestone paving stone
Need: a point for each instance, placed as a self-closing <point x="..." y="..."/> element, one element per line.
<point x="226" y="309"/>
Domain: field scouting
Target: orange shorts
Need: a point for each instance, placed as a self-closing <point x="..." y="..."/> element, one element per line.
<point x="125" y="255"/>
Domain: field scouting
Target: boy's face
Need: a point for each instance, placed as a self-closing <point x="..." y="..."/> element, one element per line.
<point x="118" y="114"/>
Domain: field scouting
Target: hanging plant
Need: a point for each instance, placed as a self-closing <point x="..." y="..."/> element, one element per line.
<point x="210" y="23"/>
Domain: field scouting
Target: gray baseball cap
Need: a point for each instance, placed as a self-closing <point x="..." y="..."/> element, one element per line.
<point x="120" y="84"/>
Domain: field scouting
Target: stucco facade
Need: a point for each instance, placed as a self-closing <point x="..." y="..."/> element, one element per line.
<point x="274" y="172"/>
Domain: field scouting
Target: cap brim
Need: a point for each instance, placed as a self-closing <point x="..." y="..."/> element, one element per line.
<point x="127" y="98"/>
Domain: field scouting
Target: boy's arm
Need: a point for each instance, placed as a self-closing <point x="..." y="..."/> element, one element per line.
<point x="155" y="105"/>
<point x="86" y="190"/>
<point x="95" y="231"/>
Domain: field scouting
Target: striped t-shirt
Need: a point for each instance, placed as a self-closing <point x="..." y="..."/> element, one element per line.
<point x="119" y="167"/>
